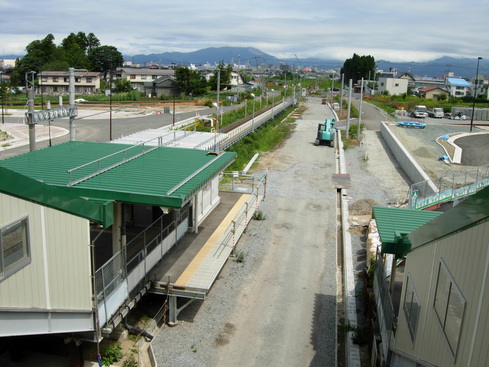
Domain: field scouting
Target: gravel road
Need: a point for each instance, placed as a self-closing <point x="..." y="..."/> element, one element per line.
<point x="278" y="307"/>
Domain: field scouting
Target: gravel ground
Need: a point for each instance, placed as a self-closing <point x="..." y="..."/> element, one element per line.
<point x="276" y="308"/>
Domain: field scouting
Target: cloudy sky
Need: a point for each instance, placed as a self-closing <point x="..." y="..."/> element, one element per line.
<point x="407" y="30"/>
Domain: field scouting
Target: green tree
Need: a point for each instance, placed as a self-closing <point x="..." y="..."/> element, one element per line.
<point x="122" y="86"/>
<point x="359" y="67"/>
<point x="225" y="77"/>
<point x="39" y="53"/>
<point x="104" y="58"/>
<point x="190" y="82"/>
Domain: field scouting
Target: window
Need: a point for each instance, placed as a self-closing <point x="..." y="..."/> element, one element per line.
<point x="14" y="247"/>
<point x="55" y="79"/>
<point x="449" y="306"/>
<point x="44" y="79"/>
<point x="411" y="308"/>
<point x="89" y="80"/>
<point x="396" y="84"/>
<point x="154" y="77"/>
<point x="132" y="76"/>
<point x="143" y="76"/>
<point x="78" y="80"/>
<point x="66" y="80"/>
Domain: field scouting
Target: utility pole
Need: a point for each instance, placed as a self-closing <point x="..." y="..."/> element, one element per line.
<point x="341" y="93"/>
<point x="29" y="78"/>
<point x="71" y="92"/>
<point x="349" y="109"/>
<point x="360" y="112"/>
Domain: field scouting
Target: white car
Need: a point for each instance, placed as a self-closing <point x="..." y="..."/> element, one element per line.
<point x="80" y="100"/>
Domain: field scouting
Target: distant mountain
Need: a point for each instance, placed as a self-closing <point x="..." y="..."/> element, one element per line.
<point x="252" y="56"/>
<point x="436" y="68"/>
<point x="211" y="55"/>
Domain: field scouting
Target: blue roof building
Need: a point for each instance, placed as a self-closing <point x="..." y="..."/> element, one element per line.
<point x="457" y="87"/>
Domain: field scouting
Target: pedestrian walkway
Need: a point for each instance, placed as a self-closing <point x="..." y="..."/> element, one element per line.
<point x="18" y="134"/>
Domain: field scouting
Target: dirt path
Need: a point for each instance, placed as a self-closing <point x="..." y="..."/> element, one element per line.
<point x="285" y="314"/>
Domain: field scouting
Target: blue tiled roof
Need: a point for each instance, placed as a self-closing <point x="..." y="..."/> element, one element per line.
<point x="457" y="82"/>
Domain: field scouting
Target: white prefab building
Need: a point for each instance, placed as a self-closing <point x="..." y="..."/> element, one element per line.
<point x="82" y="224"/>
<point x="394" y="86"/>
<point x="45" y="284"/>
<point x="442" y="318"/>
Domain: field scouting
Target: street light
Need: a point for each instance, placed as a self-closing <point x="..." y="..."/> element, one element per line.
<point x="475" y="89"/>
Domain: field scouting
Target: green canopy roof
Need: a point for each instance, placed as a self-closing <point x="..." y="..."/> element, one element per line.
<point x="394" y="224"/>
<point x="137" y="174"/>
<point x="468" y="213"/>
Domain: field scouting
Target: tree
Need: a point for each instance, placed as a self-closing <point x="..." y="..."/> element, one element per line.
<point x="104" y="58"/>
<point x="122" y="86"/>
<point x="80" y="41"/>
<point x="359" y="67"/>
<point x="39" y="53"/>
<point x="190" y="82"/>
<point x="225" y="77"/>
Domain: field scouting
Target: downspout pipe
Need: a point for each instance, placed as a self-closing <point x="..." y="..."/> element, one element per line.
<point x="137" y="331"/>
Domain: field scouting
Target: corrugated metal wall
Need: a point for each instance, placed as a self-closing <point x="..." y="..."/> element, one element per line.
<point x="466" y="256"/>
<point x="61" y="280"/>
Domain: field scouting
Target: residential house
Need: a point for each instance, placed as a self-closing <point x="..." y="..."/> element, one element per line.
<point x="432" y="92"/>
<point x="58" y="82"/>
<point x="457" y="87"/>
<point x="82" y="224"/>
<point x="393" y="86"/>
<point x="139" y="77"/>
<point x="236" y="81"/>
<point x="162" y="86"/>
<point x="440" y="319"/>
<point x="481" y="85"/>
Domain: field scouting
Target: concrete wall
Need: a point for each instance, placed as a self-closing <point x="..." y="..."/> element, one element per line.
<point x="408" y="164"/>
<point x="480" y="114"/>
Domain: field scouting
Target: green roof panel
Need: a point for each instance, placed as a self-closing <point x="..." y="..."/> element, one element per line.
<point x="162" y="176"/>
<point x="464" y="215"/>
<point x="394" y="224"/>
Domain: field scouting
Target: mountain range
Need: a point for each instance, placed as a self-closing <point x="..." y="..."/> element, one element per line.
<point x="463" y="67"/>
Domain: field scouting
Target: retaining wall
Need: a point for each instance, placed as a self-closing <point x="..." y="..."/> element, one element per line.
<point x="408" y="164"/>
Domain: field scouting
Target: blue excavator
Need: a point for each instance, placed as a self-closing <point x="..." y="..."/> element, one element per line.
<point x="326" y="132"/>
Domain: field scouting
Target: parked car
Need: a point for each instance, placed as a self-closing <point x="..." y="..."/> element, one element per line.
<point x="436" y="112"/>
<point x="419" y="112"/>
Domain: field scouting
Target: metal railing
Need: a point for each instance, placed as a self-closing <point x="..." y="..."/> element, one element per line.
<point x="112" y="160"/>
<point x="119" y="267"/>
<point x="458" y="186"/>
<point x="243" y="183"/>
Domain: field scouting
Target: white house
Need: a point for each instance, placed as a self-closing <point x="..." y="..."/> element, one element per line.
<point x="394" y="86"/>
<point x="457" y="87"/>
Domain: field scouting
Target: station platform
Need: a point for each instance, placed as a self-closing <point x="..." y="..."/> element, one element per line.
<point x="190" y="268"/>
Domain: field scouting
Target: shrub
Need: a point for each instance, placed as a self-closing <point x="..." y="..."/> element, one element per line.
<point x="112" y="354"/>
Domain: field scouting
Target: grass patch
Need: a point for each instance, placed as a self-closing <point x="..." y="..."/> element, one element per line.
<point x="258" y="215"/>
<point x="263" y="139"/>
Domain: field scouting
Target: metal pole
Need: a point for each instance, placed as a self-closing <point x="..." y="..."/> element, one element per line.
<point x="341" y="93"/>
<point x="3" y="114"/>
<point x="349" y="110"/>
<point x="360" y="112"/>
<point x="71" y="92"/>
<point x="173" y="109"/>
<point x="475" y="89"/>
<point x="110" y="103"/>
<point x="32" y="126"/>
